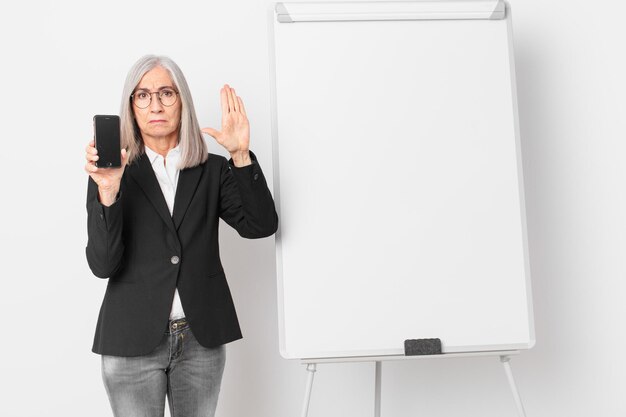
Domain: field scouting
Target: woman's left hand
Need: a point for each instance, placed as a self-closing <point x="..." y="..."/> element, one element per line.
<point x="235" y="134"/>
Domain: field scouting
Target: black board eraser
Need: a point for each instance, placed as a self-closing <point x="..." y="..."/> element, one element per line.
<point x="422" y="347"/>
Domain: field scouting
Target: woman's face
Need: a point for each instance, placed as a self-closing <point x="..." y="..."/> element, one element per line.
<point x="157" y="121"/>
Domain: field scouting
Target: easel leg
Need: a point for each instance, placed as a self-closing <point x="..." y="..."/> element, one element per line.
<point x="378" y="383"/>
<point x="509" y="374"/>
<point x="309" y="386"/>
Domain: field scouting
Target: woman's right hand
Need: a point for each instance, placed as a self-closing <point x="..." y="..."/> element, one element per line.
<point x="108" y="179"/>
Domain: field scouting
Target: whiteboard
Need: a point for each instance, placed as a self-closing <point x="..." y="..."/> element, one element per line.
<point x="397" y="178"/>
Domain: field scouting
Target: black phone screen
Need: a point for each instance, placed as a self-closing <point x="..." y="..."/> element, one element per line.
<point x="107" y="138"/>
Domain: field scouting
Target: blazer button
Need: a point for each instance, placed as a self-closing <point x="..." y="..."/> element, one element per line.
<point x="256" y="176"/>
<point x="175" y="259"/>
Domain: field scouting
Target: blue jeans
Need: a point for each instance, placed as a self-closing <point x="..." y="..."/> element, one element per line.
<point x="187" y="372"/>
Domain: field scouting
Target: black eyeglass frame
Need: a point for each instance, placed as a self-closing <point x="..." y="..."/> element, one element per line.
<point x="132" y="97"/>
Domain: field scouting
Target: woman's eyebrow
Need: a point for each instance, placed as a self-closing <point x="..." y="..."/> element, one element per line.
<point x="158" y="89"/>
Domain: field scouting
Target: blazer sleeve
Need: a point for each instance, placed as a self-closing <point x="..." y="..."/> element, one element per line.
<point x="104" y="228"/>
<point x="246" y="203"/>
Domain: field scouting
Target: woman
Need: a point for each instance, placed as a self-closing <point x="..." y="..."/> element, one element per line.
<point x="153" y="232"/>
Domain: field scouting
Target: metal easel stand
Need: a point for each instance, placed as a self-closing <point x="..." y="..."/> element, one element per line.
<point x="311" y="367"/>
<point x="509" y="374"/>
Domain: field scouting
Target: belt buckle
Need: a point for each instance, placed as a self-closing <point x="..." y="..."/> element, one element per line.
<point x="178" y="323"/>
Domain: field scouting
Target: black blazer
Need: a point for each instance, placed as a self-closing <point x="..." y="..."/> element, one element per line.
<point x="146" y="253"/>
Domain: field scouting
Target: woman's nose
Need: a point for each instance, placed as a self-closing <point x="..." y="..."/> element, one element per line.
<point x="155" y="103"/>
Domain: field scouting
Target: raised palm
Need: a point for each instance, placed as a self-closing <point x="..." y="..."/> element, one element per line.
<point x="235" y="133"/>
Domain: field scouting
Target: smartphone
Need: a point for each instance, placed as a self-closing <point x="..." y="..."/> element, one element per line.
<point x="106" y="133"/>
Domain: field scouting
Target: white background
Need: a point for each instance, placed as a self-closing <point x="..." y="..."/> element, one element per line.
<point x="63" y="62"/>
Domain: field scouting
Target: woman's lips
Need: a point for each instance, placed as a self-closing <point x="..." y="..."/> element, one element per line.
<point x="157" y="121"/>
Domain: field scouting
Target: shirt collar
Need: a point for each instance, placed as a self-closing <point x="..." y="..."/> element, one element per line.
<point x="153" y="156"/>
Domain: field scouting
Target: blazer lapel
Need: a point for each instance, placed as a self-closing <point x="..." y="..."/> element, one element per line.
<point x="187" y="184"/>
<point x="143" y="174"/>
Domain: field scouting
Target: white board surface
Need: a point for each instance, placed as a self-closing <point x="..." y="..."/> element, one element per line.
<point x="398" y="182"/>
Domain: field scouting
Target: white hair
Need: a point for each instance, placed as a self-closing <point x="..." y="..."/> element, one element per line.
<point x="193" y="149"/>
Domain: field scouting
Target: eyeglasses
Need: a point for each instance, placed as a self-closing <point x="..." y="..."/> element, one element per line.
<point x="143" y="98"/>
